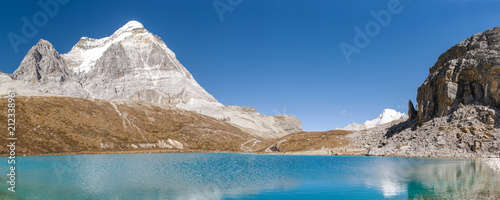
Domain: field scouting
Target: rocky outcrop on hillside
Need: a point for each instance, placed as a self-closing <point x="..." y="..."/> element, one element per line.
<point x="290" y="124"/>
<point x="468" y="73"/>
<point x="412" y="113"/>
<point x="247" y="118"/>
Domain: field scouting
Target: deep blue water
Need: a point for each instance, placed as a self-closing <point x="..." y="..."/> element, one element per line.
<point x="246" y="176"/>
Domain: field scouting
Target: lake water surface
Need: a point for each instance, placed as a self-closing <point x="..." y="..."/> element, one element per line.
<point x="246" y="176"/>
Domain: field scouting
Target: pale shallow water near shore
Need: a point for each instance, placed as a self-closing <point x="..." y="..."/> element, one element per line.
<point x="494" y="163"/>
<point x="248" y="176"/>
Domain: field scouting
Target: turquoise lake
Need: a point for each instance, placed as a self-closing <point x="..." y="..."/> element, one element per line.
<point x="246" y="176"/>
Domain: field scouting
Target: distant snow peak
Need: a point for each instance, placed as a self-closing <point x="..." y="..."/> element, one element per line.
<point x="387" y="116"/>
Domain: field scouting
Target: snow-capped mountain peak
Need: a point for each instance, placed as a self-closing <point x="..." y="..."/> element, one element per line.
<point x="388" y="115"/>
<point x="85" y="53"/>
<point x="135" y="64"/>
<point x="129" y="26"/>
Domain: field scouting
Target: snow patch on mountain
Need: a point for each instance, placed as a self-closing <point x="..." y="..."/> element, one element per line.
<point x="86" y="52"/>
<point x="88" y="57"/>
<point x="387" y="116"/>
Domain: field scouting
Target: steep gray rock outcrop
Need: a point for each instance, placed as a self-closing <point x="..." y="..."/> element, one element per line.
<point x="468" y="73"/>
<point x="412" y="113"/>
<point x="44" y="69"/>
<point x="289" y="123"/>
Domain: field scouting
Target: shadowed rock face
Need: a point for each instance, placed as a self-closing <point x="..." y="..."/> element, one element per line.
<point x="468" y="73"/>
<point x="412" y="113"/>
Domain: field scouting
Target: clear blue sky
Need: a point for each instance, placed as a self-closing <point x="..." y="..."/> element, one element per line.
<point x="279" y="56"/>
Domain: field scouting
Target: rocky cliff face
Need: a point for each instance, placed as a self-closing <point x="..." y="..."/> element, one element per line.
<point x="468" y="73"/>
<point x="458" y="107"/>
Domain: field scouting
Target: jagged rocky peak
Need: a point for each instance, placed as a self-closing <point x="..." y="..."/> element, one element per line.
<point x="46" y="71"/>
<point x="468" y="73"/>
<point x="41" y="57"/>
<point x="412" y="113"/>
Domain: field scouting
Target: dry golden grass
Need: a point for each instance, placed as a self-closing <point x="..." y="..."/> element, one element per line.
<point x="53" y="125"/>
<point x="306" y="141"/>
<point x="66" y="125"/>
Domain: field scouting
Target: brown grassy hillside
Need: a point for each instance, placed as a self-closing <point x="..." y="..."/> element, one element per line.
<point x="48" y="125"/>
<point x="305" y="141"/>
